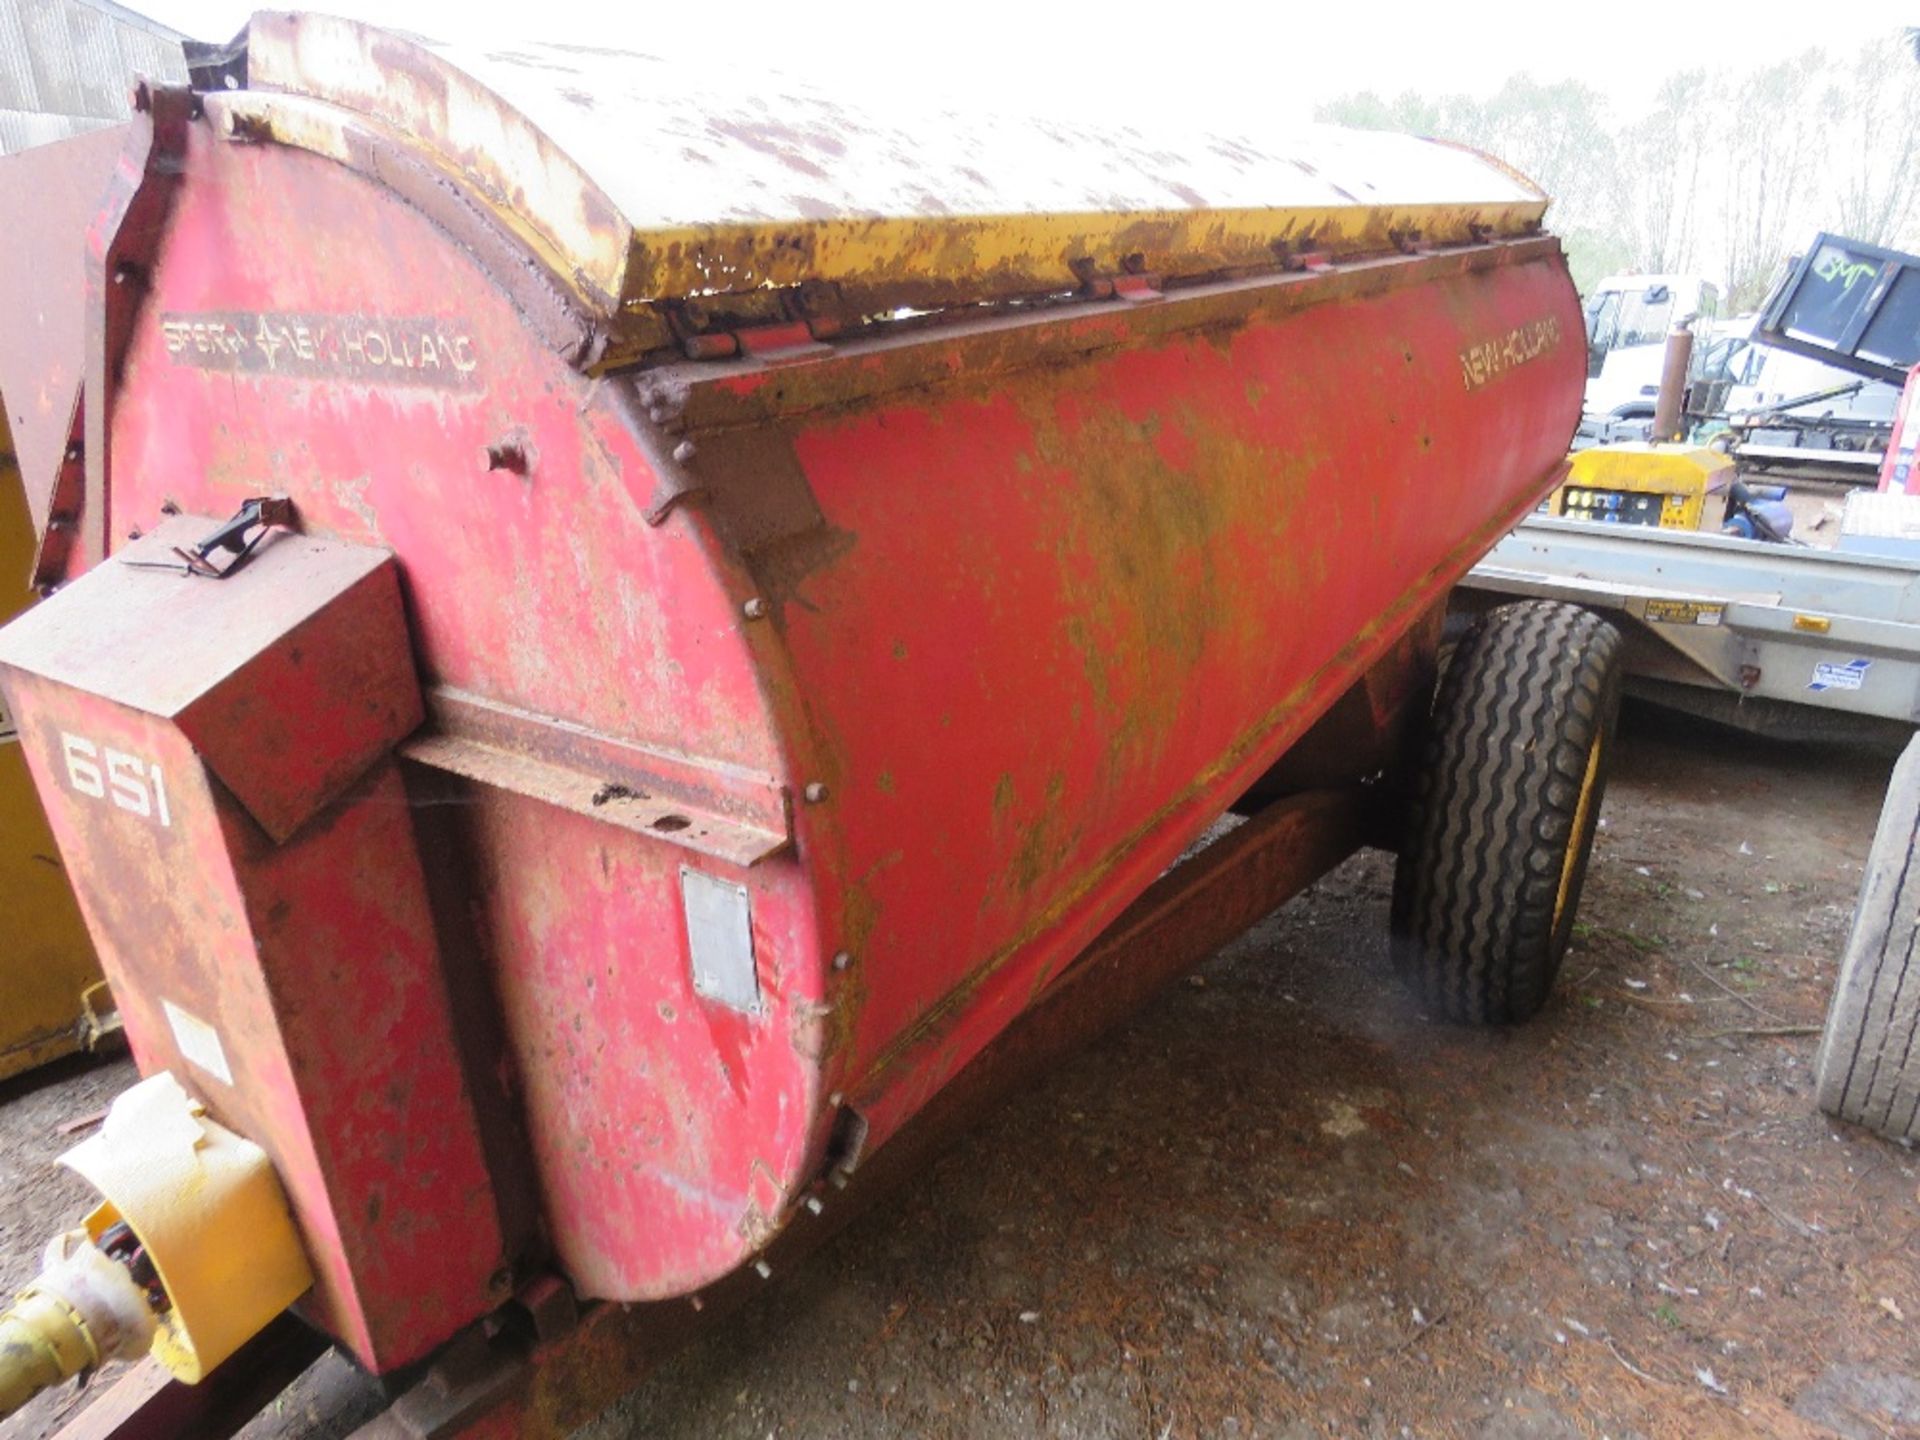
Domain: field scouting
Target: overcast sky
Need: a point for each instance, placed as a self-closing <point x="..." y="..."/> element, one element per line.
<point x="1208" y="63"/>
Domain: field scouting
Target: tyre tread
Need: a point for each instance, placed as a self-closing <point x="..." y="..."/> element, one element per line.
<point x="1497" y="784"/>
<point x="1867" y="1068"/>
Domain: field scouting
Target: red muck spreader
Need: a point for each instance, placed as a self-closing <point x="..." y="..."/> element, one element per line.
<point x="618" y="658"/>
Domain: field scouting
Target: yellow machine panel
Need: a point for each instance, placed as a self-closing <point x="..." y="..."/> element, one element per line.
<point x="1637" y="484"/>
<point x="51" y="994"/>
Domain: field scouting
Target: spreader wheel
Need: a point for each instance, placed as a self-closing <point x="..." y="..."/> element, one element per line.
<point x="1505" y="802"/>
<point x="1868" y="1067"/>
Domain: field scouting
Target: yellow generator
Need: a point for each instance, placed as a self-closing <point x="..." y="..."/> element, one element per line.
<point x="1636" y="484"/>
<point x="52" y="999"/>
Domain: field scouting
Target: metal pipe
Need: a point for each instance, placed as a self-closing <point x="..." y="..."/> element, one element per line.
<point x="1667" y="419"/>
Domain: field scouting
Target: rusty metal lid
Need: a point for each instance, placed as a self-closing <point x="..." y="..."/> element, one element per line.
<point x="645" y="181"/>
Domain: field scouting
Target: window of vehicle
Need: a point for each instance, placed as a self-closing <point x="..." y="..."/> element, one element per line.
<point x="1603" y="321"/>
<point x="1644" y="316"/>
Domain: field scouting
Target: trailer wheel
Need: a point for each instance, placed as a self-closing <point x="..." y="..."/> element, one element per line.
<point x="1506" y="797"/>
<point x="1868" y="1067"/>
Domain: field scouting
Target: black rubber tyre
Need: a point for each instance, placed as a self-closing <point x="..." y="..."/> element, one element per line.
<point x="1505" y="799"/>
<point x="1868" y="1067"/>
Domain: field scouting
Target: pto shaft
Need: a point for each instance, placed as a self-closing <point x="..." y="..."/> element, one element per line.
<point x="85" y="1308"/>
<point x="190" y="1253"/>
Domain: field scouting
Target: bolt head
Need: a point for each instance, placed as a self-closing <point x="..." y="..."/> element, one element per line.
<point x="815" y="792"/>
<point x="754" y="609"/>
<point x="684" y="451"/>
<point x="842" y="960"/>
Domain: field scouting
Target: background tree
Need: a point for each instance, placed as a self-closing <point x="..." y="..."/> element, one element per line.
<point x="1879" y="133"/>
<point x="1766" y="150"/>
<point x="1727" y="174"/>
<point x="1657" y="176"/>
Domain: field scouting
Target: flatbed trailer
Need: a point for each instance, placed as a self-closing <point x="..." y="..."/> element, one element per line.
<point x="1780" y="639"/>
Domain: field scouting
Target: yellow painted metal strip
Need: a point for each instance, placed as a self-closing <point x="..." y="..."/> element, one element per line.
<point x="920" y="259"/>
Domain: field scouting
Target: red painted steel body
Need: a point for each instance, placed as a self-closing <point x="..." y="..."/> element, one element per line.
<point x="967" y="633"/>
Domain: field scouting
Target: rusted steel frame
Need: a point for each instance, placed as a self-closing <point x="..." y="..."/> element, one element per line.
<point x="1201" y="904"/>
<point x="121" y="243"/>
<point x="1365" y="735"/>
<point x="65" y="501"/>
<point x="713" y="808"/>
<point x="546" y="1391"/>
<point x="707" y="784"/>
<point x="712" y="396"/>
<point x="149" y="1404"/>
<point x="693" y="399"/>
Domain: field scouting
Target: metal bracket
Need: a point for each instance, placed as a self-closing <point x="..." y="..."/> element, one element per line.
<point x="63" y="506"/>
<point x="258" y="515"/>
<point x="121" y="246"/>
<point x="99" y="1017"/>
<point x="782" y="341"/>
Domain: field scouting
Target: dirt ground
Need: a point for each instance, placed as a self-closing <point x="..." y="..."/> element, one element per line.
<point x="1282" y="1203"/>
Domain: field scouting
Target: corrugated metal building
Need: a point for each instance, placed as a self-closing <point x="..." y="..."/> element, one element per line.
<point x="67" y="66"/>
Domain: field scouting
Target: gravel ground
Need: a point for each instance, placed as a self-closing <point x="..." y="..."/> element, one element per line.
<point x="1284" y="1203"/>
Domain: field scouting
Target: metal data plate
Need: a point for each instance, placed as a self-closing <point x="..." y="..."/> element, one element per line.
<point x="720" y="939"/>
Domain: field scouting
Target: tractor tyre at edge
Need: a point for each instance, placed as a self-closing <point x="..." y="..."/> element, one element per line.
<point x="1867" y="1069"/>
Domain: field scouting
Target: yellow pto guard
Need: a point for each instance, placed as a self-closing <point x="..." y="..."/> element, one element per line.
<point x="190" y="1254"/>
<point x="50" y="981"/>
